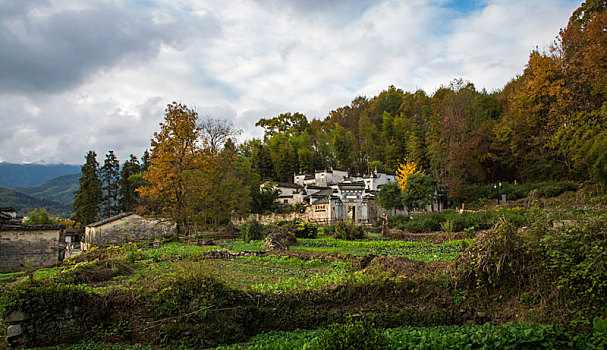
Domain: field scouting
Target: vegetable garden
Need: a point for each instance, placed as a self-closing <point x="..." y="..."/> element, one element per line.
<point x="534" y="279"/>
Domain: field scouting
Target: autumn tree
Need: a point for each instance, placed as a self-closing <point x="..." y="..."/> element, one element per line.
<point x="87" y="198"/>
<point x="226" y="188"/>
<point x="176" y="164"/>
<point x="404" y="171"/>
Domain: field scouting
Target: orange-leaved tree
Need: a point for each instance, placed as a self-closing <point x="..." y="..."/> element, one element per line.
<point x="404" y="170"/>
<point x="177" y="164"/>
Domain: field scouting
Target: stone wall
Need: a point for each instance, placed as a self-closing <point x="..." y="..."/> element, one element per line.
<point x="41" y="243"/>
<point x="127" y="229"/>
<point x="25" y="330"/>
<point x="270" y="218"/>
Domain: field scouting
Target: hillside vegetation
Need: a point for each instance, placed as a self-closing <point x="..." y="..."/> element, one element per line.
<point x="547" y="271"/>
<point x="59" y="190"/>
<point x="24" y="203"/>
<point x="25" y="175"/>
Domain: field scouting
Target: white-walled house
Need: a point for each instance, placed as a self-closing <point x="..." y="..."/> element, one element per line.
<point x="379" y="178"/>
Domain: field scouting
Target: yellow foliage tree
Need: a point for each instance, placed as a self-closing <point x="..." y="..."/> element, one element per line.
<point x="404" y="170"/>
<point x="177" y="165"/>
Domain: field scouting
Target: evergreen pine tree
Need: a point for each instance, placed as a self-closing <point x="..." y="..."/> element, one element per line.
<point x="88" y="196"/>
<point x="128" y="197"/>
<point x="110" y="177"/>
<point x="145" y="161"/>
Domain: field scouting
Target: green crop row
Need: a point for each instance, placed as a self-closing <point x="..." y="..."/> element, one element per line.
<point x="359" y="336"/>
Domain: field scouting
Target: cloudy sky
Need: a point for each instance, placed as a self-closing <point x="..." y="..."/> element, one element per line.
<point x="97" y="75"/>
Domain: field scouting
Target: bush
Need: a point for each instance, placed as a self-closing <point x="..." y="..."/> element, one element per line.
<point x="302" y="229"/>
<point x="480" y="220"/>
<point x="252" y="230"/>
<point x="346" y="230"/>
<point x="351" y="336"/>
<point x="299" y="228"/>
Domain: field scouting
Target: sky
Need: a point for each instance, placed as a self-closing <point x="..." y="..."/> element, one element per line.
<point x="97" y="75"/>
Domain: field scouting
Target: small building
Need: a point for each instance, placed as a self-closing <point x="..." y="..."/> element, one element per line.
<point x="125" y="227"/>
<point x="9" y="215"/>
<point x="329" y="177"/>
<point x="379" y="178"/>
<point x="41" y="243"/>
<point x="290" y="193"/>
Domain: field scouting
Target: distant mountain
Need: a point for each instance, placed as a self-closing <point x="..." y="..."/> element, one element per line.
<point x="60" y="189"/>
<point x="26" y="175"/>
<point x="24" y="203"/>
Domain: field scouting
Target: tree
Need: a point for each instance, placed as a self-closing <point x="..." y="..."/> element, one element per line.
<point x="176" y="164"/>
<point x="88" y="196"/>
<point x="285" y="124"/>
<point x="128" y="196"/>
<point x="40" y="217"/>
<point x="264" y="200"/>
<point x="215" y="132"/>
<point x="390" y="196"/>
<point x="420" y="191"/>
<point x="110" y="185"/>
<point x="405" y="170"/>
<point x="145" y="161"/>
<point x="227" y="191"/>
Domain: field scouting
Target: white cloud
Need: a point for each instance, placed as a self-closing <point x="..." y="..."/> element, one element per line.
<point x="240" y="60"/>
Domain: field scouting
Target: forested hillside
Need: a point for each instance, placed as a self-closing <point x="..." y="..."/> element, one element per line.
<point x="60" y="189"/>
<point x="24" y="203"/>
<point x="548" y="123"/>
<point x="25" y="175"/>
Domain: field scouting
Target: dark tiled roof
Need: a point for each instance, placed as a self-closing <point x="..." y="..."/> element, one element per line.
<point x="110" y="219"/>
<point x="17" y="227"/>
<point x="288" y="185"/>
<point x="312" y="187"/>
<point x="323" y="200"/>
<point x="386" y="172"/>
<point x="354" y="185"/>
<point x="8" y="209"/>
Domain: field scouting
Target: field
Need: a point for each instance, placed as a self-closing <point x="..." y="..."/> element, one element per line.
<point x="535" y="279"/>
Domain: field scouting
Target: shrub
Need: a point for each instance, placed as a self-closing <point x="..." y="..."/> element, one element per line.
<point x="346" y="230"/>
<point x="480" y="220"/>
<point x="299" y="228"/>
<point x="252" y="230"/>
<point x="302" y="229"/>
<point x="351" y="336"/>
<point x="132" y="253"/>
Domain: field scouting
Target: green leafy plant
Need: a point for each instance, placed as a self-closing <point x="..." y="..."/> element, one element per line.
<point x="599" y="332"/>
<point x="252" y="230"/>
<point x="354" y="335"/>
<point x="349" y="231"/>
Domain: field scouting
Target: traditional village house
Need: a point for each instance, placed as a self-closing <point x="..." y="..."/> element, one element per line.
<point x="290" y="193"/>
<point x="9" y="215"/>
<point x="125" y="227"/>
<point x="379" y="178"/>
<point x="41" y="244"/>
